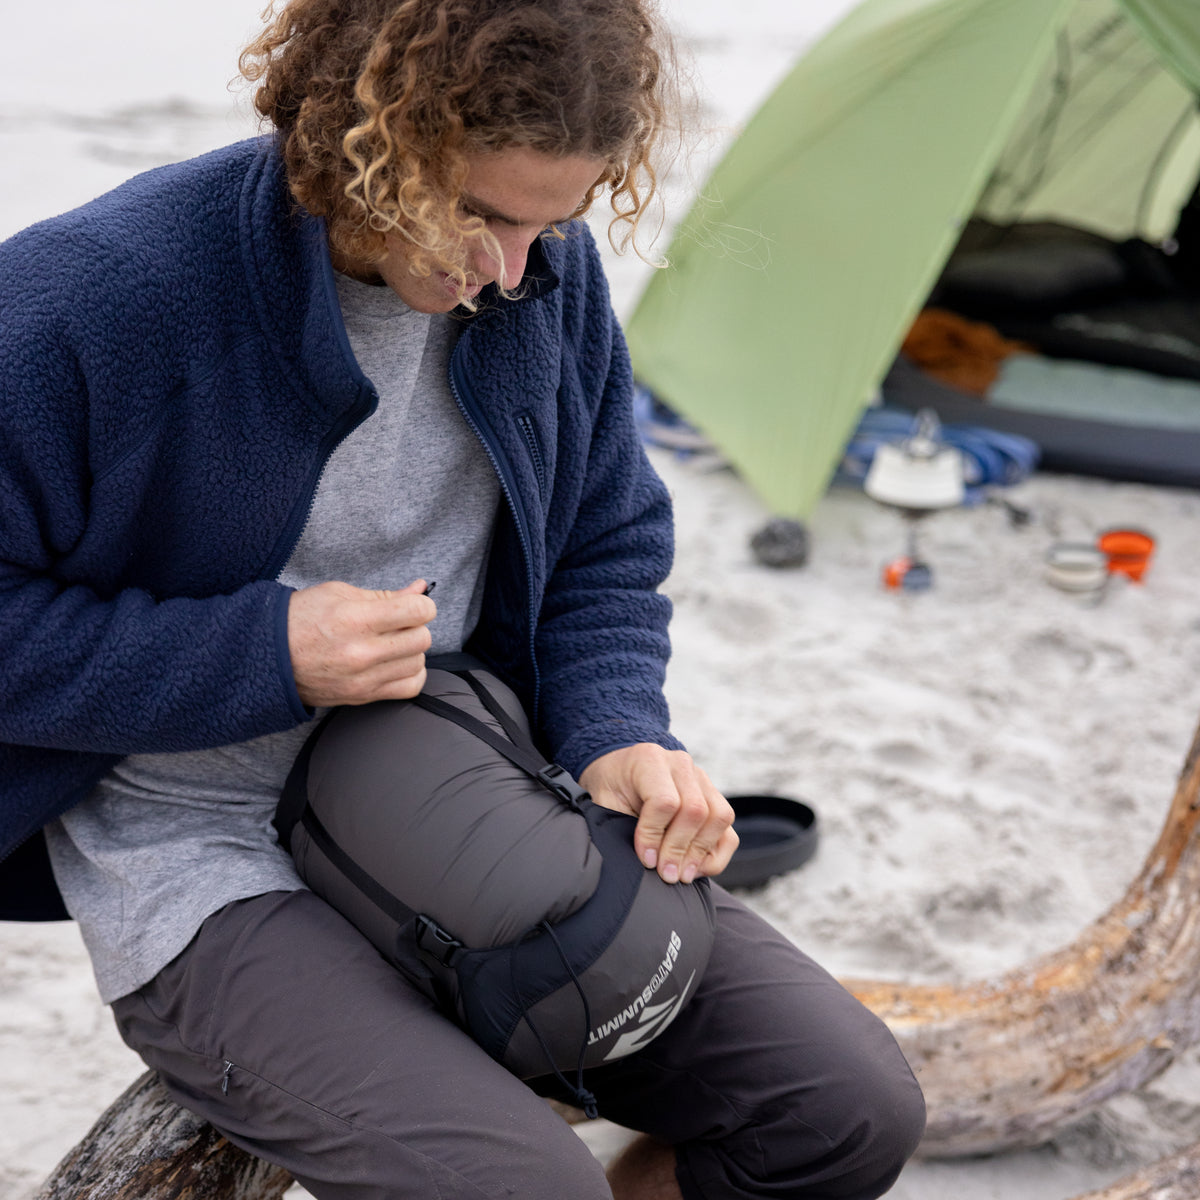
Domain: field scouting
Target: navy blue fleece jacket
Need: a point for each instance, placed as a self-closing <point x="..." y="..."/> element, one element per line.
<point x="175" y="373"/>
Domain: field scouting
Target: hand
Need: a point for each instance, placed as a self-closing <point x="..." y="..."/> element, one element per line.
<point x="685" y="826"/>
<point x="351" y="646"/>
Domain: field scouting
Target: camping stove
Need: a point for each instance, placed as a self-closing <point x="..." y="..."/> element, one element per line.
<point x="917" y="477"/>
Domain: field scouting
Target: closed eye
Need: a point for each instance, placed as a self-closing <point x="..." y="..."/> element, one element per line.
<point x="470" y="207"/>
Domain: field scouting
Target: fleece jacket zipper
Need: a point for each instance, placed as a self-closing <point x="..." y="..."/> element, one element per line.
<point x="350" y="420"/>
<point x="464" y="397"/>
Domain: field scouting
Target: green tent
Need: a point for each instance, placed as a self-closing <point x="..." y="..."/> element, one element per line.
<point x="797" y="272"/>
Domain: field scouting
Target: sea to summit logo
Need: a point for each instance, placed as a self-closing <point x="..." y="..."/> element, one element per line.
<point x="651" y="1019"/>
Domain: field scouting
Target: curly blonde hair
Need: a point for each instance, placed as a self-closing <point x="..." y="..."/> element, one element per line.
<point x="377" y="103"/>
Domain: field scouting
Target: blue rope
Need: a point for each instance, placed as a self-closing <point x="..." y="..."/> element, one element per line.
<point x="990" y="458"/>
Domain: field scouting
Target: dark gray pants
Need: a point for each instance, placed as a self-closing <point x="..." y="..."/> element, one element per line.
<point x="285" y="1028"/>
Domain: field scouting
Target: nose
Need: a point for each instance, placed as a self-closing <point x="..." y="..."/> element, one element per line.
<point x="514" y="244"/>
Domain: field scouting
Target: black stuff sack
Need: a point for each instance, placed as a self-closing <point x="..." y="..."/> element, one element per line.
<point x="491" y="879"/>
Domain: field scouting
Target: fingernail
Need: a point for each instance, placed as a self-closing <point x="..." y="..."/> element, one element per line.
<point x="650" y="858"/>
<point x="671" y="873"/>
<point x="689" y="873"/>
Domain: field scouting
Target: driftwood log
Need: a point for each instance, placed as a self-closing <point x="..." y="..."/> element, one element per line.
<point x="145" y="1147"/>
<point x="1009" y="1061"/>
<point x="1174" y="1178"/>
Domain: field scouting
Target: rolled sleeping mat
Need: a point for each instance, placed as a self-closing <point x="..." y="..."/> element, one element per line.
<point x="490" y="878"/>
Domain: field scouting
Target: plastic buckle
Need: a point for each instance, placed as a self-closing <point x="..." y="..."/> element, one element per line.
<point x="434" y="943"/>
<point x="557" y="779"/>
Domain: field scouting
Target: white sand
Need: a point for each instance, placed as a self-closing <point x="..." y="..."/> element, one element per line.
<point x="990" y="760"/>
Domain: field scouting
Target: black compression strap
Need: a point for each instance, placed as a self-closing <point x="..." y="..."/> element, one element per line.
<point x="367" y="884"/>
<point x="529" y="761"/>
<point x="294" y="798"/>
<point x="515" y="733"/>
<point x="550" y="775"/>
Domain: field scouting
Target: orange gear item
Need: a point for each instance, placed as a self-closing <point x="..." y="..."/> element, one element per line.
<point x="1128" y="552"/>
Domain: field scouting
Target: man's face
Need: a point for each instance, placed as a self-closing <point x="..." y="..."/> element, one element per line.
<point x="518" y="192"/>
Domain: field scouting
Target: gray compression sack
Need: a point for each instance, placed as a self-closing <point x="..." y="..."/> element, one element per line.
<point x="491" y="879"/>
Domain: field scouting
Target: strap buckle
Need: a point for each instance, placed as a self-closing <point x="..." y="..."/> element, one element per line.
<point x="557" y="780"/>
<point x="435" y="944"/>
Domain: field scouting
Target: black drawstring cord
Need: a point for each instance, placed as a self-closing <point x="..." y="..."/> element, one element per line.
<point x="586" y="1100"/>
<point x="579" y="1093"/>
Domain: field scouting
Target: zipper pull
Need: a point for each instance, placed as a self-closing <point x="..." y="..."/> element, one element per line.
<point x="225" y="1078"/>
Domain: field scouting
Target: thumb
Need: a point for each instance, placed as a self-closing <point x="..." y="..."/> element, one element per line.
<point x="418" y="587"/>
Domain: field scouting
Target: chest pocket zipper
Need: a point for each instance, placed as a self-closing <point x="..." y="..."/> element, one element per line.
<point x="525" y="425"/>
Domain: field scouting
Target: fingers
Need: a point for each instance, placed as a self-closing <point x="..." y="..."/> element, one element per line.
<point x="685" y="826"/>
<point x="353" y="646"/>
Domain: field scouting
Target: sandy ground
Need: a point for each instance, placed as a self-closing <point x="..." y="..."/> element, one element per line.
<point x="990" y="760"/>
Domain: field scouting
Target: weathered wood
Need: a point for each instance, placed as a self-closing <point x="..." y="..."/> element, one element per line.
<point x="1009" y="1061"/>
<point x="145" y="1147"/>
<point x="1174" y="1178"/>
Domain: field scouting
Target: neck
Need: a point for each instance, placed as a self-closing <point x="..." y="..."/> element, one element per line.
<point x="355" y="268"/>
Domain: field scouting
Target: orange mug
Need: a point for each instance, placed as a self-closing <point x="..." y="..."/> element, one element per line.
<point x="1128" y="551"/>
